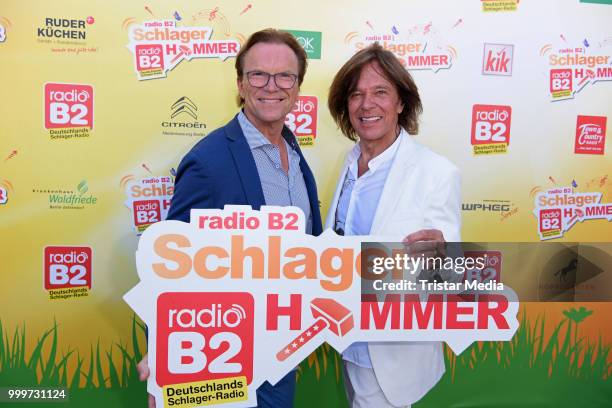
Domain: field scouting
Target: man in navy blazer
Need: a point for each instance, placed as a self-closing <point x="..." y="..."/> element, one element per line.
<point x="220" y="170"/>
<point x="254" y="159"/>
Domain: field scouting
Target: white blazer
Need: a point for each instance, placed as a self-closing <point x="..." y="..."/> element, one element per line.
<point x="423" y="190"/>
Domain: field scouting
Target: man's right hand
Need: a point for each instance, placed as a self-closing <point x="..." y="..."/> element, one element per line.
<point x="143" y="375"/>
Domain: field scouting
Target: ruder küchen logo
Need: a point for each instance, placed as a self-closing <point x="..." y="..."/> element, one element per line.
<point x="59" y="28"/>
<point x="497" y="59"/>
<point x="310" y="40"/>
<point x="182" y="111"/>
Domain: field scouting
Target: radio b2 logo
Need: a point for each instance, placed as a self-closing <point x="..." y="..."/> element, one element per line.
<point x="490" y="128"/>
<point x="561" y="83"/>
<point x="67" y="267"/>
<point x="68" y="106"/>
<point x="204" y="336"/>
<point x="302" y="120"/>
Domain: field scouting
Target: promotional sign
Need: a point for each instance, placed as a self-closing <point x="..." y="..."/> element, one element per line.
<point x="148" y="200"/>
<point x="238" y="297"/>
<point x="158" y="46"/>
<point x="558" y="209"/>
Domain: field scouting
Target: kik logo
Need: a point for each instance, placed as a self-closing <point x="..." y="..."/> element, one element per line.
<point x="497" y="59"/>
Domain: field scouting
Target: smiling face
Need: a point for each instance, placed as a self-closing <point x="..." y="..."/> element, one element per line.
<point x="374" y="106"/>
<point x="267" y="107"/>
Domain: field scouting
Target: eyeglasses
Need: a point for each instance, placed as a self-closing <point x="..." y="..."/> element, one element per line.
<point x="259" y="79"/>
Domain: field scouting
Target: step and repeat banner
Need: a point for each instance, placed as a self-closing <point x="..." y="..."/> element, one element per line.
<point x="101" y="99"/>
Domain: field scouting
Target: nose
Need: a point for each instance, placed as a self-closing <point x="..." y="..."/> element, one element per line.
<point x="271" y="85"/>
<point x="367" y="101"/>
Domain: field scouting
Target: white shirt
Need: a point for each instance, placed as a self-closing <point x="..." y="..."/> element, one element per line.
<point x="355" y="213"/>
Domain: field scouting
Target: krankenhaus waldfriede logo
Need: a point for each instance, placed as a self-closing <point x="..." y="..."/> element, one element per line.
<point x="590" y="135"/>
<point x="159" y="46"/>
<point x="559" y="209"/>
<point x="421" y="47"/>
<point x="69" y="199"/>
<point x="497" y="59"/>
<point x="310" y="40"/>
<point x="302" y="120"/>
<point x="183" y="119"/>
<point x="69" y="110"/>
<point x="569" y="68"/>
<point x="490" y="129"/>
<point x="67" y="271"/>
<point x="148" y="200"/>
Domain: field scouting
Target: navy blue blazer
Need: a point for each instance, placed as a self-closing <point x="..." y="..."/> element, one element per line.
<point x="220" y="169"/>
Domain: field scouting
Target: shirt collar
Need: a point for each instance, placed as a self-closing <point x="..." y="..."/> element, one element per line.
<point x="252" y="135"/>
<point x="386" y="156"/>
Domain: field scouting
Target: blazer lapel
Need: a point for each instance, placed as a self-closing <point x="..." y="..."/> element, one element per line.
<point x="395" y="184"/>
<point x="245" y="163"/>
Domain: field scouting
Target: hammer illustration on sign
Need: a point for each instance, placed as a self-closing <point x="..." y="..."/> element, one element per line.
<point x="328" y="313"/>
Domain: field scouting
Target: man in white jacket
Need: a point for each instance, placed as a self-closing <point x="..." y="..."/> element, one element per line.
<point x="390" y="186"/>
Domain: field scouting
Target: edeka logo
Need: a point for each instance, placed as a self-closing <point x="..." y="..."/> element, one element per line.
<point x="67" y="271"/>
<point x="419" y="47"/>
<point x="497" y="59"/>
<point x="3" y="195"/>
<point x="69" y="110"/>
<point x="181" y="111"/>
<point x="204" y="335"/>
<point x="569" y="69"/>
<point x="148" y="200"/>
<point x="490" y="128"/>
<point x="302" y="120"/>
<point x="558" y="209"/>
<point x="159" y="46"/>
<point x="311" y="41"/>
<point x="590" y="135"/>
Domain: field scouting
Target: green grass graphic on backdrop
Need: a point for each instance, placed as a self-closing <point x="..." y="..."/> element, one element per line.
<point x="529" y="371"/>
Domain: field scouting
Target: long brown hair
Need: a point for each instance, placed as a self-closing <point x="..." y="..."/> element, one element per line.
<point x="346" y="79"/>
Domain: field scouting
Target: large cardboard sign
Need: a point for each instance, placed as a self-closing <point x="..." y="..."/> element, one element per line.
<point x="238" y="297"/>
